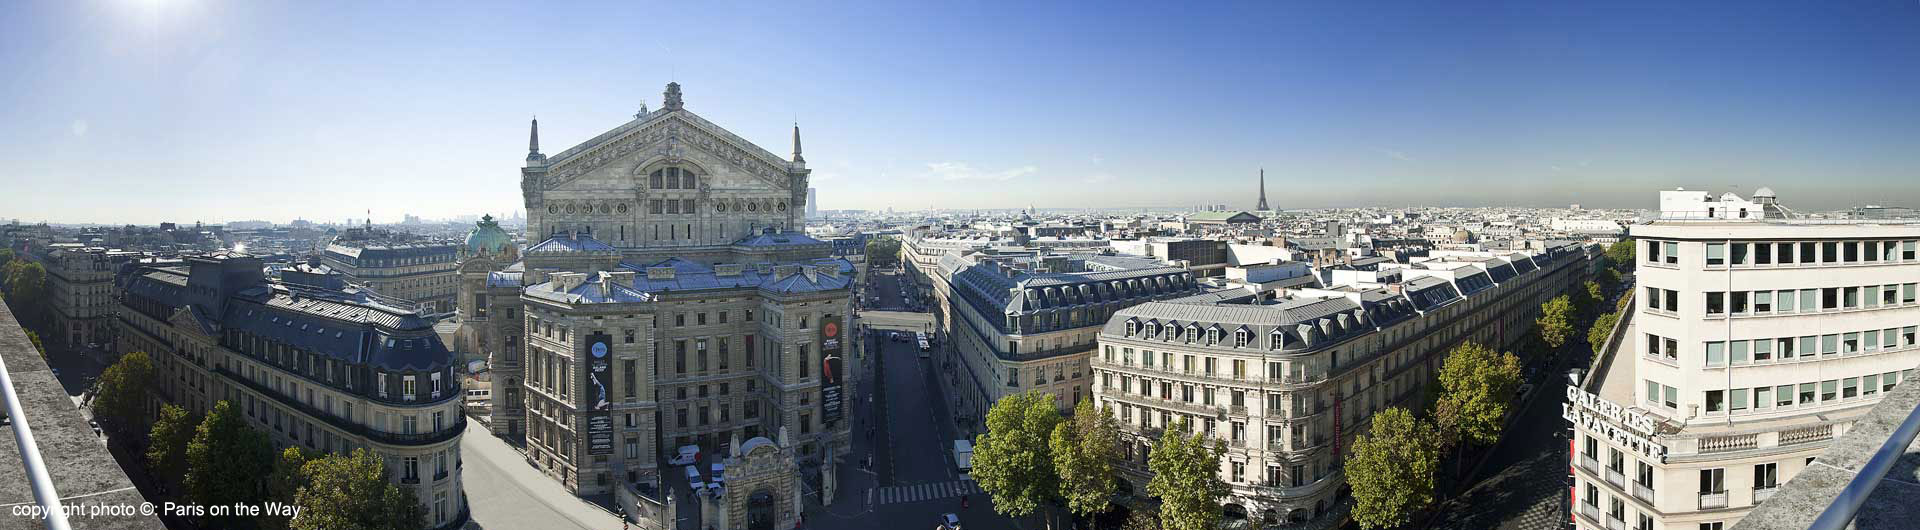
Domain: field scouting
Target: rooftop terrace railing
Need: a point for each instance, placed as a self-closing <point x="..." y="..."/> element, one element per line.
<point x="36" y="470"/>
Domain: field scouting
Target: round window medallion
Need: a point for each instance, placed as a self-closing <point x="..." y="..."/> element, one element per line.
<point x="553" y="209"/>
<point x="753" y="207"/>
<point x="720" y="207"/>
<point x="622" y="208"/>
<point x="782" y="206"/>
<point x="569" y="208"/>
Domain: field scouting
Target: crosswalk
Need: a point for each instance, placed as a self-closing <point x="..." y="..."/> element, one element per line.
<point x="924" y="492"/>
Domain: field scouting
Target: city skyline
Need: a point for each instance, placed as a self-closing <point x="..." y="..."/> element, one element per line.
<point x="236" y="109"/>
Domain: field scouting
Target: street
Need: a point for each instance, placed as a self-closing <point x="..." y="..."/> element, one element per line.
<point x="913" y="479"/>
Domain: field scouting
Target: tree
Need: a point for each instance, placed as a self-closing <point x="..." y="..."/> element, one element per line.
<point x="25" y="282"/>
<point x="1595" y="296"/>
<point x="1392" y="469"/>
<point x="1012" y="461"/>
<point x="1556" y="321"/>
<point x="1084" y="450"/>
<point x="121" y="403"/>
<point x="1620" y="306"/>
<point x="6" y="256"/>
<point x="33" y="337"/>
<point x="283" y="486"/>
<point x="1622" y="255"/>
<point x="352" y="491"/>
<point x="1609" y="279"/>
<point x="1602" y="328"/>
<point x="227" y="460"/>
<point x="1479" y="385"/>
<point x="167" y="454"/>
<point x="1186" y="478"/>
<point x="883" y="250"/>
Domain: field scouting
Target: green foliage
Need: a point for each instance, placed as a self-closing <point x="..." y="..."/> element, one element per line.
<point x="883" y="250"/>
<point x="1609" y="279"/>
<point x="227" y="460"/>
<point x="1595" y="295"/>
<point x="1012" y="460"/>
<point x="1620" y="306"/>
<point x="1602" y="328"/>
<point x="6" y="256"/>
<point x="1392" y="469"/>
<point x="1556" y="321"/>
<point x="1186" y="478"/>
<point x="26" y="285"/>
<point x="1142" y="518"/>
<point x="121" y="404"/>
<point x="352" y="491"/>
<point x="1478" y="385"/>
<point x="167" y="454"/>
<point x="34" y="338"/>
<point x="283" y="486"/>
<point x="1622" y="254"/>
<point x="1084" y="449"/>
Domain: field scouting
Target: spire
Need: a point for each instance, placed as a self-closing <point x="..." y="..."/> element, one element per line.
<point x="533" y="145"/>
<point x="796" y="144"/>
<point x="1263" y="191"/>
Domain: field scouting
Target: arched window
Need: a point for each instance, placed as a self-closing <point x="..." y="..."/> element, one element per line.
<point x="657" y="180"/>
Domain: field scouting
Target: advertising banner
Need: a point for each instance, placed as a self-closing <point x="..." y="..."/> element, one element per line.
<point x="832" y="407"/>
<point x="599" y="423"/>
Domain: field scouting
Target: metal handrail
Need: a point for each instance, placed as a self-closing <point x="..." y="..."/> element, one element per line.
<point x="43" y="491"/>
<point x="1847" y="503"/>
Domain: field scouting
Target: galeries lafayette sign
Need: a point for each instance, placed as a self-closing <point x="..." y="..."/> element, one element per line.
<point x="1618" y="423"/>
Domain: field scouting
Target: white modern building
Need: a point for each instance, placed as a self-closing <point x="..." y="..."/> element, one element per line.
<point x="1756" y="339"/>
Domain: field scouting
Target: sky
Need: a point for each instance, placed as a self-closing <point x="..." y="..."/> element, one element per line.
<point x="142" y="111"/>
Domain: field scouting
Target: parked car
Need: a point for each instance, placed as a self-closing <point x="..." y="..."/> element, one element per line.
<point x="693" y="479"/>
<point x="719" y="474"/>
<point x="688" y="455"/>
<point x="96" y="428"/>
<point x="949" y="522"/>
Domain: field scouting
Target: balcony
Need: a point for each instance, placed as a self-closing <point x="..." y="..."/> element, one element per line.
<point x="1588" y="463"/>
<point x="1711" y="500"/>
<point x="1614" y="523"/>
<point x="1616" y="479"/>
<point x="1761" y="495"/>
<point x="1642" y="492"/>
<point x="449" y="432"/>
<point x="1590" y="511"/>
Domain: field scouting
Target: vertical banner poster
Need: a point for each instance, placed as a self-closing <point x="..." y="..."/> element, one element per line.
<point x="599" y="424"/>
<point x="831" y="375"/>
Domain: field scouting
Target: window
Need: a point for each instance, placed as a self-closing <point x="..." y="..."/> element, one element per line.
<point x="1763" y="302"/>
<point x="1829" y="389"/>
<point x="1786" y="299"/>
<point x="1829" y="252"/>
<point x="1850" y="388"/>
<point x="1806" y="393"/>
<point x="1762" y="350"/>
<point x="1783" y="395"/>
<point x="1716" y="353"/>
<point x="1716" y="401"/>
<point x="1763" y="397"/>
<point x="1737" y="400"/>
<point x="1766" y="476"/>
<point x="1713" y="481"/>
<point x="1716" y="303"/>
<point x="1716" y="254"/>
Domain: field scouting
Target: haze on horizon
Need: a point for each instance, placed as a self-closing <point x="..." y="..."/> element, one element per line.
<point x="185" y="110"/>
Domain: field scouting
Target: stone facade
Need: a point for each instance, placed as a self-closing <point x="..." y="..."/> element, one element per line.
<point x="80" y="292"/>
<point x="667" y="302"/>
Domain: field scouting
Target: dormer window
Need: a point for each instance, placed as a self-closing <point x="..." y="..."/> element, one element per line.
<point x="1241" y="337"/>
<point x="1213" y="336"/>
<point x="1278" y="339"/>
<point x="1193" y="331"/>
<point x="407" y="387"/>
<point x="1133" y="327"/>
<point x="1153" y="329"/>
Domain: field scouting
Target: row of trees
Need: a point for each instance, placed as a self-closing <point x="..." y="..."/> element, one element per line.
<point x="1394" y="466"/>
<point x="220" y="460"/>
<point x="1031" y="457"/>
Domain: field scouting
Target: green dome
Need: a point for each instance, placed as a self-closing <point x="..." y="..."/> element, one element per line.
<point x="487" y="238"/>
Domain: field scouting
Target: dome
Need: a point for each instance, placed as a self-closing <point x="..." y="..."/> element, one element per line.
<point x="1764" y="192"/>
<point x="487" y="238"/>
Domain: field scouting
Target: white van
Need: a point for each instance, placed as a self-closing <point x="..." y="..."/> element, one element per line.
<point x="693" y="479"/>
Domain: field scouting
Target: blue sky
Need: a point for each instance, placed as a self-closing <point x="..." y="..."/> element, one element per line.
<point x="179" y="110"/>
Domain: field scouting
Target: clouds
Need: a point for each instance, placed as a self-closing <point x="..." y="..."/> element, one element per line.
<point x="1396" y="155"/>
<point x="961" y="171"/>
